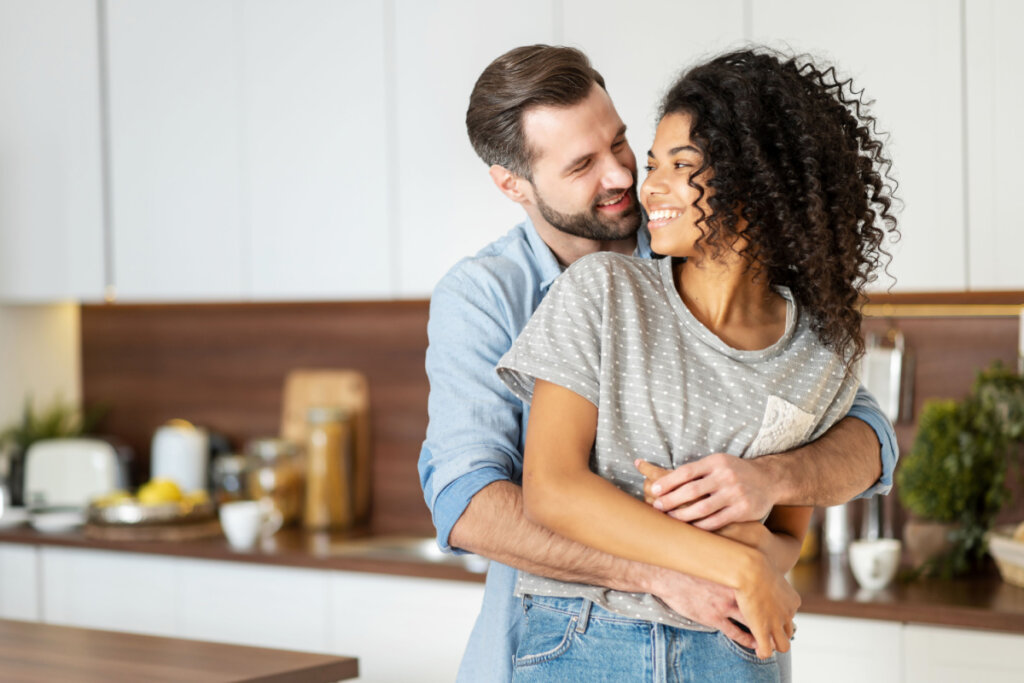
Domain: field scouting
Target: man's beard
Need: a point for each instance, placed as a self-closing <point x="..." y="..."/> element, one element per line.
<point x="591" y="224"/>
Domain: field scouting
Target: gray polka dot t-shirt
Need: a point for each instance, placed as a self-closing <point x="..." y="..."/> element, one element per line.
<point x="614" y="330"/>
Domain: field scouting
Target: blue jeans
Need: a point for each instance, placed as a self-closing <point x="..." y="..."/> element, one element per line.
<point x="572" y="639"/>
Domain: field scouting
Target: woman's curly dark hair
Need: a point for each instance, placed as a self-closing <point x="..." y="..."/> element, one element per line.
<point x="792" y="149"/>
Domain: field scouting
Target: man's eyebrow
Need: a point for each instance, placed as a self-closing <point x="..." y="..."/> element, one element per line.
<point x="580" y="159"/>
<point x="676" y="150"/>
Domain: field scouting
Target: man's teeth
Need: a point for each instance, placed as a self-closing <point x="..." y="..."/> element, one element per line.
<point x="664" y="215"/>
<point x="614" y="200"/>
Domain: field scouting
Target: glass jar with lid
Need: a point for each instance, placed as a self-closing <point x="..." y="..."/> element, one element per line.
<point x="275" y="472"/>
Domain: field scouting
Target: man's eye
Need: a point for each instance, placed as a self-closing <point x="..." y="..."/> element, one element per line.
<point x="582" y="167"/>
<point x="618" y="144"/>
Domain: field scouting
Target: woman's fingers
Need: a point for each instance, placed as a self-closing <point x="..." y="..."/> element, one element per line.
<point x="738" y="635"/>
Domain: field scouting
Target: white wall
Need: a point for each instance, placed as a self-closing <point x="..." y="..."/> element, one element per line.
<point x="39" y="355"/>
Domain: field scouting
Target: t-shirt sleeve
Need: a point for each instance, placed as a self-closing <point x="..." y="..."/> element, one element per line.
<point x="562" y="342"/>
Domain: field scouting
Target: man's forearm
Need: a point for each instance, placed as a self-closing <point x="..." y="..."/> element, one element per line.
<point x="832" y="470"/>
<point x="494" y="526"/>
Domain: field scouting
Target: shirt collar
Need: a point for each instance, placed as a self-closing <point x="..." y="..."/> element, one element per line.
<point x="643" y="239"/>
<point x="548" y="266"/>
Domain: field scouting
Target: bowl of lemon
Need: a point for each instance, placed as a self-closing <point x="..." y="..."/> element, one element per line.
<point x="158" y="501"/>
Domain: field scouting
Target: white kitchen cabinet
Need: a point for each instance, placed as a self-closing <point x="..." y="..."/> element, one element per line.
<point x="245" y="604"/>
<point x="109" y="590"/>
<point x="446" y="205"/>
<point x="995" y="143"/>
<point x="248" y="147"/>
<point x="427" y="620"/>
<point x="51" y="169"/>
<point x="934" y="654"/>
<point x="906" y="55"/>
<point x="641" y="52"/>
<point x="19" y="584"/>
<point x="316" y="200"/>
<point x="839" y="649"/>
<point x="175" y="149"/>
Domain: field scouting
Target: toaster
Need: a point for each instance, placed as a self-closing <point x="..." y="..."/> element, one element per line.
<point x="70" y="472"/>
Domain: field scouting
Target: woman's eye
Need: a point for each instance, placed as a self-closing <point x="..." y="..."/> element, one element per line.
<point x="648" y="168"/>
<point x="682" y="164"/>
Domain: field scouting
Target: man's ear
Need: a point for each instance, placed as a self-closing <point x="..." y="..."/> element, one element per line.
<point x="510" y="184"/>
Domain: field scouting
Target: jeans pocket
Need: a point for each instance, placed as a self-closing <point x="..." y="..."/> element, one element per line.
<point x="744" y="652"/>
<point x="548" y="634"/>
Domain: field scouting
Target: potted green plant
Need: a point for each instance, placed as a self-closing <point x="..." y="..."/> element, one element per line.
<point x="953" y="481"/>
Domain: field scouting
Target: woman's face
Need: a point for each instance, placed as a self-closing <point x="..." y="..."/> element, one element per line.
<point x="666" y="193"/>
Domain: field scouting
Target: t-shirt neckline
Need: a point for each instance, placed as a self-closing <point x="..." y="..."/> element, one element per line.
<point x="714" y="341"/>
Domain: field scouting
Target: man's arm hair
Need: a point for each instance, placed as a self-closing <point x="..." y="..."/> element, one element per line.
<point x="832" y="470"/>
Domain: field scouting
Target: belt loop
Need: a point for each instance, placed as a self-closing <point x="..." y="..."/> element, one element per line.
<point x="584" y="618"/>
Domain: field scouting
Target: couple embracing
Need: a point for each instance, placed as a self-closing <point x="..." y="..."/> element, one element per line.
<point x="638" y="392"/>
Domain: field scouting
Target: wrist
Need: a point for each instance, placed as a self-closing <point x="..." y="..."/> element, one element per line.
<point x="749" y="570"/>
<point x="774" y="469"/>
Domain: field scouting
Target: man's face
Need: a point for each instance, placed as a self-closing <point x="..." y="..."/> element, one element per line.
<point x="584" y="172"/>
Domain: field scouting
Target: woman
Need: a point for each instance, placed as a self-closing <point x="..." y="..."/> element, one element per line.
<point x="765" y="183"/>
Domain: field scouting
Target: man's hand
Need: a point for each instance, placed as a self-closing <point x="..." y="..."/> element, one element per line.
<point x="705" y="602"/>
<point x="711" y="492"/>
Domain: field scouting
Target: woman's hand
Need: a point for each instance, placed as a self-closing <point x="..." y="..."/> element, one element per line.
<point x="768" y="604"/>
<point x="711" y="492"/>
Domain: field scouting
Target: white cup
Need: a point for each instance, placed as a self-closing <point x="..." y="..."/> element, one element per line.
<point x="246" y="521"/>
<point x="874" y="563"/>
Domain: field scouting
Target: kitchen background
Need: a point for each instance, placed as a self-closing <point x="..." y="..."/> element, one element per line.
<point x="197" y="196"/>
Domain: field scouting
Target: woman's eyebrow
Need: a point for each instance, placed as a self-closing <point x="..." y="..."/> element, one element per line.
<point x="676" y="150"/>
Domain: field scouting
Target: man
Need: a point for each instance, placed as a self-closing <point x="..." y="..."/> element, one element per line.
<point x="540" y="118"/>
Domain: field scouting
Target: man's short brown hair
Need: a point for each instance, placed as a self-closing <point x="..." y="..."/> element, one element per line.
<point x="522" y="78"/>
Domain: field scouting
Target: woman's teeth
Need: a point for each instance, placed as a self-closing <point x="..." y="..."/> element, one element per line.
<point x="664" y="215"/>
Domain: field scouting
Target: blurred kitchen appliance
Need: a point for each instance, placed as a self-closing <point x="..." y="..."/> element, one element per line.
<point x="881" y="370"/>
<point x="348" y="391"/>
<point x="329" y="466"/>
<point x="836" y="529"/>
<point x="274" y="472"/>
<point x="180" y="452"/>
<point x="70" y="472"/>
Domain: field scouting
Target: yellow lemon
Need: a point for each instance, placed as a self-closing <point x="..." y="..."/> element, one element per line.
<point x="159" y="491"/>
<point x="113" y="498"/>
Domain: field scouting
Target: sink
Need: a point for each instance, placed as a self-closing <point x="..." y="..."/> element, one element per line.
<point x="407" y="549"/>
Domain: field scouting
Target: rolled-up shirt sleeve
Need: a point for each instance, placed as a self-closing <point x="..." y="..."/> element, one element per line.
<point x="866" y="408"/>
<point x="474" y="436"/>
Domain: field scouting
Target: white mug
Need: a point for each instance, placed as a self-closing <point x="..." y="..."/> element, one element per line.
<point x="246" y="521"/>
<point x="874" y="563"/>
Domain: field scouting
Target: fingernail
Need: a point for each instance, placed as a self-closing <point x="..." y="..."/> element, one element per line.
<point x="656" y="489"/>
<point x="658" y="505"/>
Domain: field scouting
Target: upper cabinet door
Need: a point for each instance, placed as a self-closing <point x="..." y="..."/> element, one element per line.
<point x="641" y="52"/>
<point x="51" y="189"/>
<point x="906" y="56"/>
<point x="995" y="143"/>
<point x="316" y="193"/>
<point x="447" y="206"/>
<point x="175" y="149"/>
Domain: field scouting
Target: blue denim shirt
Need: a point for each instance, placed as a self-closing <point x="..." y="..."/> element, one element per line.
<point x="477" y="426"/>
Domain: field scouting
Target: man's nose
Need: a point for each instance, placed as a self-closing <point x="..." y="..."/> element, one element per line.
<point x="617" y="175"/>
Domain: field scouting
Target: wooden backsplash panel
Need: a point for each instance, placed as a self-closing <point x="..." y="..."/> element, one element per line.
<point x="223" y="366"/>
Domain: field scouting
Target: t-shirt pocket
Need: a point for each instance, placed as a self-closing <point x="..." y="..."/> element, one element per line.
<point x="784" y="426"/>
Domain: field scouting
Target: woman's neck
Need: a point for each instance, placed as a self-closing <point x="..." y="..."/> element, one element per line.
<point x="723" y="294"/>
